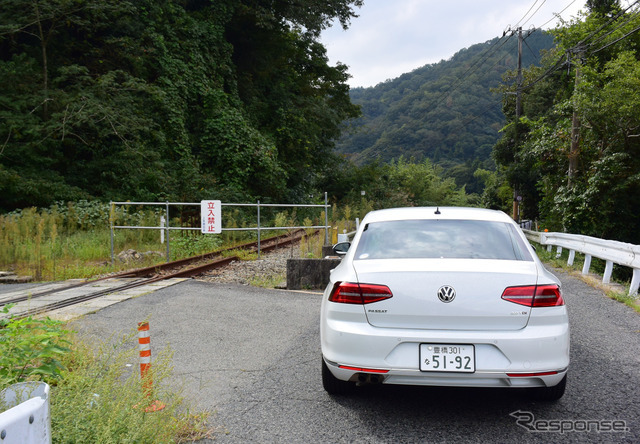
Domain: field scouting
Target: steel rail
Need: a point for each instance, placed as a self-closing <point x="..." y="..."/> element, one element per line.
<point x="276" y="242"/>
<point x="157" y="269"/>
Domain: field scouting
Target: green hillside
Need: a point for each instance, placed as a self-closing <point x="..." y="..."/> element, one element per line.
<point x="445" y="111"/>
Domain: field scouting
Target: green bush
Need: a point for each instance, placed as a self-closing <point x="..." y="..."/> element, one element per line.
<point x="30" y="349"/>
<point x="189" y="244"/>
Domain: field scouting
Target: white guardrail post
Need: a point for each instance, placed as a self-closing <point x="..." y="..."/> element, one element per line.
<point x="27" y="419"/>
<point x="613" y="252"/>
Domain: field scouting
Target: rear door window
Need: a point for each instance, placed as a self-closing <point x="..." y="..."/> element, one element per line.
<point x="447" y="239"/>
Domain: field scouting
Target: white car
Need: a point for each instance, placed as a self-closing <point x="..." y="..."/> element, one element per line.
<point x="443" y="297"/>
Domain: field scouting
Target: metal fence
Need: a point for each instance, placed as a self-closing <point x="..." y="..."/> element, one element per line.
<point x="259" y="228"/>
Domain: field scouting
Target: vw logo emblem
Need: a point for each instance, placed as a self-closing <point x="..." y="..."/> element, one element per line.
<point x="446" y="293"/>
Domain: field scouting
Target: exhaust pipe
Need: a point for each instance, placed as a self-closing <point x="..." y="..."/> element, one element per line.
<point x="368" y="379"/>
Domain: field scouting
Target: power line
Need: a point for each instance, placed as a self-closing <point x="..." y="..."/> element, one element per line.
<point x="559" y="14"/>
<point x="560" y="63"/>
<point x="541" y="4"/>
<point x="580" y="46"/>
<point x="536" y="57"/>
<point x="490" y="51"/>
<point x="480" y="60"/>
<point x="617" y="40"/>
<point x="475" y="117"/>
<point x="630" y="18"/>
<point x="527" y="13"/>
<point x="556" y="66"/>
<point x="611" y="20"/>
<point x="462" y="78"/>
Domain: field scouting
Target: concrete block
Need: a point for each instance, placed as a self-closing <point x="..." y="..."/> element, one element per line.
<point x="309" y="274"/>
<point x="13" y="279"/>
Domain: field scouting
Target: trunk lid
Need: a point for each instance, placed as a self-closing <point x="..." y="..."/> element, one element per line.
<point x="478" y="285"/>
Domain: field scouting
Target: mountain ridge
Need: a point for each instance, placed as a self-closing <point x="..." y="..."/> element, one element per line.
<point x="445" y="111"/>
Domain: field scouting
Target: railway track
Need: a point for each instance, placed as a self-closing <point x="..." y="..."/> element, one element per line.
<point x="182" y="268"/>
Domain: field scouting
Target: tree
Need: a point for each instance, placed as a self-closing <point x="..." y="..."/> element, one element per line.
<point x="600" y="197"/>
<point x="285" y="82"/>
<point x="167" y="99"/>
<point x="603" y="7"/>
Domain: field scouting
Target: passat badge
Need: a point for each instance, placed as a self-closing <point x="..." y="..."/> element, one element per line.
<point x="446" y="293"/>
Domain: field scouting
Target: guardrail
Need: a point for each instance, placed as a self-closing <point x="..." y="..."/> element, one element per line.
<point x="613" y="252"/>
<point x="27" y="418"/>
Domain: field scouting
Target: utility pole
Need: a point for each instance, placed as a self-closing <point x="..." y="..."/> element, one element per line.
<point x="574" y="151"/>
<point x="519" y="77"/>
<point x="516" y="202"/>
<point x="519" y="80"/>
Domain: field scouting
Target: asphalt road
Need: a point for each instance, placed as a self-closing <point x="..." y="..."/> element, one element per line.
<point x="252" y="358"/>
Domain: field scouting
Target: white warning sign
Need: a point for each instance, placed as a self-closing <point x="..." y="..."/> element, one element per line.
<point x="210" y="211"/>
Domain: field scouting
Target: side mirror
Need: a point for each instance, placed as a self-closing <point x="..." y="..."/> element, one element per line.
<point x="341" y="248"/>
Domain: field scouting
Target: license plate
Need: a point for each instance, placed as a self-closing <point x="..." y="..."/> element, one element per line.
<point x="447" y="358"/>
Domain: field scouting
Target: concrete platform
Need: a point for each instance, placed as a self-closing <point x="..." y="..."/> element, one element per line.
<point x="83" y="308"/>
<point x="8" y="277"/>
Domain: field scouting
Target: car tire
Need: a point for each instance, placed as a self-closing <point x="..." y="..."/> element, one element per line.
<point x="550" y="394"/>
<point x="333" y="385"/>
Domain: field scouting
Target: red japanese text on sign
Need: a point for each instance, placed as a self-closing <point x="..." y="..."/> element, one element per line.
<point x="211" y="216"/>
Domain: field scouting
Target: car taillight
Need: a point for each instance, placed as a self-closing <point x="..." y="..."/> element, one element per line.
<point x="530" y="375"/>
<point x="534" y="295"/>
<point x="351" y="293"/>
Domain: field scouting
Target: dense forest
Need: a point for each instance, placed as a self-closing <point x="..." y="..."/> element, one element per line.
<point x="573" y="153"/>
<point x="168" y="99"/>
<point x="236" y="100"/>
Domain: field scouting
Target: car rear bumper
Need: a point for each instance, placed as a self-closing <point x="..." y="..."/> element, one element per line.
<point x="476" y="379"/>
<point x="529" y="351"/>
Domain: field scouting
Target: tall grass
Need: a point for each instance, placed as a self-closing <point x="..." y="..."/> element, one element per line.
<point x="69" y="241"/>
<point x="72" y="240"/>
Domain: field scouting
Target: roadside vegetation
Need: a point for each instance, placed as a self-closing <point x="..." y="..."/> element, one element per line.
<point x="97" y="394"/>
<point x="66" y="241"/>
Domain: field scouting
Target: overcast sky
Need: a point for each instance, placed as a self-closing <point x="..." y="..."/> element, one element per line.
<point x="390" y="38"/>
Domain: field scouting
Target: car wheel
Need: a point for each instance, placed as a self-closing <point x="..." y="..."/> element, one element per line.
<point x="550" y="393"/>
<point x="333" y="385"/>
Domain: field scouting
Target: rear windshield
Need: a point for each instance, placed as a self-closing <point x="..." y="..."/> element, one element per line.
<point x="461" y="239"/>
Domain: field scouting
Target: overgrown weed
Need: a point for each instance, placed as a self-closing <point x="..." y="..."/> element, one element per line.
<point x="633" y="302"/>
<point x="100" y="398"/>
<point x="311" y="245"/>
<point x="274" y="280"/>
<point x="97" y="394"/>
<point x="70" y="240"/>
<point x="30" y="349"/>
